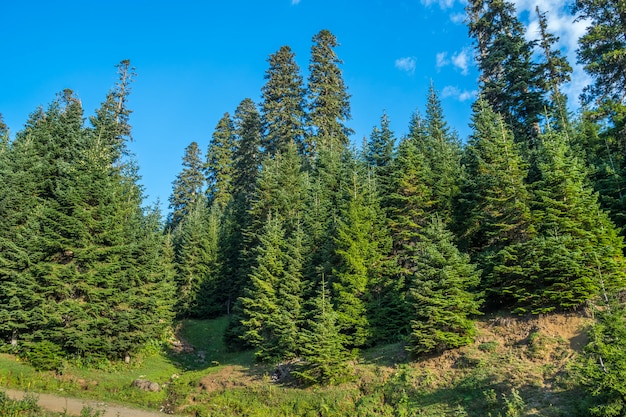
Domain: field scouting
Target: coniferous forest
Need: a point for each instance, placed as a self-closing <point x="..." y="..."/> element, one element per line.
<point x="316" y="249"/>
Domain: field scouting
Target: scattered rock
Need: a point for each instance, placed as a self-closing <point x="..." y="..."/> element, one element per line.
<point x="145" y="385"/>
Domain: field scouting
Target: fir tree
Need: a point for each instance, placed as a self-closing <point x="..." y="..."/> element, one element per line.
<point x="509" y="79"/>
<point x="219" y="162"/>
<point x="329" y="105"/>
<point x="323" y="354"/>
<point x="442" y="152"/>
<point x="188" y="186"/>
<point x="602" y="49"/>
<point x="379" y="154"/>
<point x="440" y="293"/>
<point x="494" y="207"/>
<point x="576" y="243"/>
<point x="362" y="246"/>
<point x="195" y="245"/>
<point x="283" y="105"/>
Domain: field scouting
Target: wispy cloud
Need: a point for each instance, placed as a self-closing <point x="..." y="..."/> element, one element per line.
<point x="444" y="4"/>
<point x="461" y="60"/>
<point x="456" y="93"/>
<point x="294" y="2"/>
<point x="406" y="64"/>
<point x="560" y="23"/>
<point x="442" y="60"/>
<point x="458" y="18"/>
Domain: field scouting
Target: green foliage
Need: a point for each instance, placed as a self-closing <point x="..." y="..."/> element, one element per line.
<point x="329" y="102"/>
<point x="322" y="350"/>
<point x="219" y="162"/>
<point x="602" y="367"/>
<point x="576" y="251"/>
<point x="17" y="408"/>
<point x="440" y="297"/>
<point x="188" y="185"/>
<point x="45" y="356"/>
<point x="283" y="105"/>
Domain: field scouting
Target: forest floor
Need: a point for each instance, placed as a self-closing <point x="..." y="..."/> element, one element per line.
<point x="516" y="365"/>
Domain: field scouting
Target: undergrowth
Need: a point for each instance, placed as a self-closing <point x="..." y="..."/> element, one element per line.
<point x="514" y="368"/>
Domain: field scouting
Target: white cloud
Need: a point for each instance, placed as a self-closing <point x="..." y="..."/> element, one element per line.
<point x="444" y="4"/>
<point x="406" y="64"/>
<point x="560" y="23"/>
<point x="454" y="92"/>
<point x="461" y="60"/>
<point x="458" y="18"/>
<point x="442" y="59"/>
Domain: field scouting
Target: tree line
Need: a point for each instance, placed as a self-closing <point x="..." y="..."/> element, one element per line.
<point x="313" y="247"/>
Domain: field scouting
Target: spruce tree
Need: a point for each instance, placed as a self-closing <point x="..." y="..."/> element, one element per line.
<point x="195" y="246"/>
<point x="442" y="151"/>
<point x="329" y="105"/>
<point x="379" y="155"/>
<point x="283" y="104"/>
<point x="509" y="79"/>
<point x="576" y="250"/>
<point x="494" y="206"/>
<point x="323" y="353"/>
<point x="188" y="185"/>
<point x="219" y="162"/>
<point x="361" y="247"/>
<point x="602" y="49"/>
<point x="440" y="293"/>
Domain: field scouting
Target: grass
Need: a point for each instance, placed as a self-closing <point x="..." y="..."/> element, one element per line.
<point x="515" y="367"/>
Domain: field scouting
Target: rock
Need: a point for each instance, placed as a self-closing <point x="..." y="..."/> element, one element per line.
<point x="145" y="385"/>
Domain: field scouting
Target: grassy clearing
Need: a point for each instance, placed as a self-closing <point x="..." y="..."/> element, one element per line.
<point x="515" y="367"/>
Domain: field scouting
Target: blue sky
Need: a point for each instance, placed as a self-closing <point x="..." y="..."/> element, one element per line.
<point x="196" y="60"/>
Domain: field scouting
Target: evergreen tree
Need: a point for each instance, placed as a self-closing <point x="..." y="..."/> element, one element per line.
<point x="555" y="71"/>
<point x="219" y="163"/>
<point x="329" y="105"/>
<point x="575" y="245"/>
<point x="601" y="369"/>
<point x="195" y="245"/>
<point x="509" y="79"/>
<point x="323" y="354"/>
<point x="442" y="151"/>
<point x="188" y="185"/>
<point x="602" y="49"/>
<point x="283" y="105"/>
<point x="260" y="301"/>
<point x="494" y="208"/>
<point x="440" y="293"/>
<point x="362" y="246"/>
<point x="379" y="154"/>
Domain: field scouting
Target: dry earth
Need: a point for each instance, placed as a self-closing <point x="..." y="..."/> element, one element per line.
<point x="73" y="406"/>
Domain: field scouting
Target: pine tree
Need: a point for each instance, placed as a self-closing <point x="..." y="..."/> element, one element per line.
<point x="440" y="293"/>
<point x="188" y="185"/>
<point x="283" y="105"/>
<point x="219" y="163"/>
<point x="329" y="105"/>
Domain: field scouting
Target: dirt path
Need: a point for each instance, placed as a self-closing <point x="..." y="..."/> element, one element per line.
<point x="73" y="406"/>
